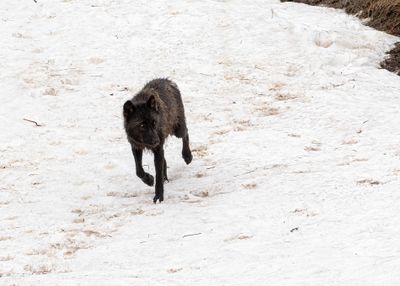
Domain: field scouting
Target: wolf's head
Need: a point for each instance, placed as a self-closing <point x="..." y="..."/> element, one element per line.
<point x="141" y="121"/>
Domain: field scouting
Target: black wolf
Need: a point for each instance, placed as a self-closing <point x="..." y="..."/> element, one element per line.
<point x="150" y="117"/>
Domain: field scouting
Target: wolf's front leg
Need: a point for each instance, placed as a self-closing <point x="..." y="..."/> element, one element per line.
<point x="145" y="177"/>
<point x="159" y="165"/>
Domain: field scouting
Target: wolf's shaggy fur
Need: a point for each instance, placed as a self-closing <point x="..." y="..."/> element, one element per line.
<point x="150" y="117"/>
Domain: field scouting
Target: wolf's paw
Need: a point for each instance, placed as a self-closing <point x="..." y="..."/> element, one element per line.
<point x="148" y="179"/>
<point x="158" y="198"/>
<point x="187" y="156"/>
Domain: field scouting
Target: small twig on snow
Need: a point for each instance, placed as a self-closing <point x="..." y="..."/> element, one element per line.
<point x="32" y="121"/>
<point x="191" y="234"/>
<point x="248" y="172"/>
<point x="205" y="74"/>
<point x="337" y="85"/>
<point x="259" y="68"/>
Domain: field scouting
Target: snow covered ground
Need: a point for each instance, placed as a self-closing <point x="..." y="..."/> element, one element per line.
<point x="295" y="135"/>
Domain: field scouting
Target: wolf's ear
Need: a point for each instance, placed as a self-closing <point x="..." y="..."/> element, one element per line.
<point x="152" y="103"/>
<point x="128" y="108"/>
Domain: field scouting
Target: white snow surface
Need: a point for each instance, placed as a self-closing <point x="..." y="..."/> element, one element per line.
<point x="294" y="129"/>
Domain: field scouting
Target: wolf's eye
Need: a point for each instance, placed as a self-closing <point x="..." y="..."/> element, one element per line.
<point x="141" y="125"/>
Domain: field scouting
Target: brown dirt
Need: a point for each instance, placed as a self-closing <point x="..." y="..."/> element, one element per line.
<point x="383" y="15"/>
<point x="392" y="63"/>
